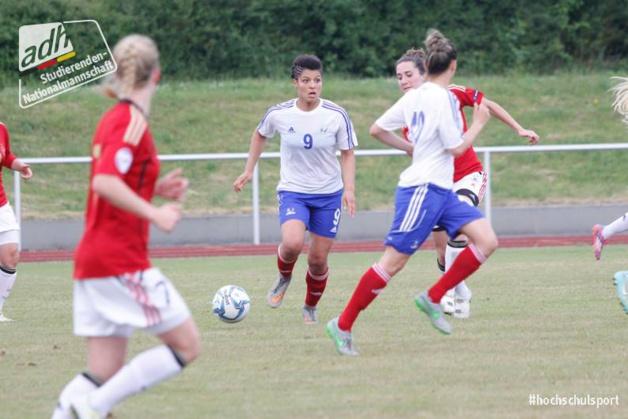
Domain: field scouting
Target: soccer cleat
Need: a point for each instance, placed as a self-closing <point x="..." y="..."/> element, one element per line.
<point x="434" y="312"/>
<point x="4" y="319"/>
<point x="462" y="307"/>
<point x="448" y="302"/>
<point x="342" y="340"/>
<point x="309" y="315"/>
<point x="621" y="283"/>
<point x="598" y="240"/>
<point x="82" y="410"/>
<point x="277" y="291"/>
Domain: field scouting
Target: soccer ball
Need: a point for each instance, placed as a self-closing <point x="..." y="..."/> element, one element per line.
<point x="231" y="304"/>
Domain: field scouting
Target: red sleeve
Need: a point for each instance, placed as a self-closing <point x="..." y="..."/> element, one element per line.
<point x="118" y="140"/>
<point x="466" y="96"/>
<point x="7" y="157"/>
<point x="404" y="132"/>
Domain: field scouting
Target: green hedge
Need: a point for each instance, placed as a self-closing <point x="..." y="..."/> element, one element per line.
<point x="363" y="38"/>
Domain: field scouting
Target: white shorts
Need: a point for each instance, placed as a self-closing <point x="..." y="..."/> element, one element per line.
<point x="117" y="305"/>
<point x="474" y="183"/>
<point x="9" y="229"/>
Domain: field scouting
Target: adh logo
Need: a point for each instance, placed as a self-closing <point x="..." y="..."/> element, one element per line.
<point x="50" y="64"/>
<point x="42" y="46"/>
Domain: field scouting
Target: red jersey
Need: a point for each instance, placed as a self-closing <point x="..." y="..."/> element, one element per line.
<point x="467" y="162"/>
<point x="116" y="241"/>
<point x="7" y="159"/>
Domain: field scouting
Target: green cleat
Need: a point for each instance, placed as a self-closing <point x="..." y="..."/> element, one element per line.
<point x="434" y="312"/>
<point x="342" y="340"/>
<point x="82" y="410"/>
<point x="621" y="283"/>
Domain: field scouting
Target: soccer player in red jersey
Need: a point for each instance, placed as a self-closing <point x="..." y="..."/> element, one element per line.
<point x="116" y="289"/>
<point x="469" y="176"/>
<point x="9" y="228"/>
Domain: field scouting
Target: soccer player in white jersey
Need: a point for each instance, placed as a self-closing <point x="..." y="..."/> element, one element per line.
<point x="314" y="186"/>
<point x="424" y="196"/>
<point x="601" y="233"/>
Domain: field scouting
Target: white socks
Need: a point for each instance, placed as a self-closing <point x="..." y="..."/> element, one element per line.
<point x="144" y="371"/>
<point x="7" y="279"/>
<point x="451" y="253"/>
<point x="79" y="386"/>
<point x="617" y="226"/>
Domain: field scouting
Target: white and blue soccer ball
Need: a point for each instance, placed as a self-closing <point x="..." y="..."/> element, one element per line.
<point x="231" y="304"/>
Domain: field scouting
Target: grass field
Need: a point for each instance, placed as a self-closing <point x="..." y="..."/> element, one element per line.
<point x="544" y="321"/>
<point x="219" y="117"/>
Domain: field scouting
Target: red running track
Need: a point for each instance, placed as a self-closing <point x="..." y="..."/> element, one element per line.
<point x="339" y="247"/>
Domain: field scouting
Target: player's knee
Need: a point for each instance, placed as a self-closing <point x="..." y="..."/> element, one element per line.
<point x="188" y="351"/>
<point x="317" y="264"/>
<point x="291" y="249"/>
<point x="10" y="259"/>
<point x="490" y="244"/>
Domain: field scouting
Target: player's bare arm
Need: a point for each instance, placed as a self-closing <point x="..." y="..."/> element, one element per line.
<point x="391" y="139"/>
<point x="501" y="114"/>
<point x="255" y="150"/>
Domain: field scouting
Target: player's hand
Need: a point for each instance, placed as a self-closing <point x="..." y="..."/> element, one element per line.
<point x="481" y="114"/>
<point x="26" y="172"/>
<point x="348" y="202"/>
<point x="242" y="180"/>
<point x="172" y="185"/>
<point x="167" y="216"/>
<point x="533" y="137"/>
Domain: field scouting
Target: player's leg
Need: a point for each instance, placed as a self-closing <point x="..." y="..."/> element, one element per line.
<point x="601" y="233"/>
<point x="439" y="235"/>
<point x="293" y="218"/>
<point x="149" y="301"/>
<point x="483" y="244"/>
<point x="325" y="213"/>
<point x="9" y="258"/>
<point x="105" y="357"/>
<point x="458" y="217"/>
<point x="470" y="189"/>
<point x="440" y="243"/>
<point x="149" y="368"/>
<point x="316" y="276"/>
<point x="416" y="210"/>
<point x="371" y="284"/>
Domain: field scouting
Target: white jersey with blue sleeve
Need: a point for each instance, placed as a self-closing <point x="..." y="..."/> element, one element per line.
<point x="432" y="116"/>
<point x="309" y="141"/>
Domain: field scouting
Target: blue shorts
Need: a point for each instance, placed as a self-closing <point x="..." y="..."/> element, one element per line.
<point x="319" y="213"/>
<point x="419" y="208"/>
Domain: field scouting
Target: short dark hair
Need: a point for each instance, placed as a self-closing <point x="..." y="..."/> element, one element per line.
<point x="305" y="62"/>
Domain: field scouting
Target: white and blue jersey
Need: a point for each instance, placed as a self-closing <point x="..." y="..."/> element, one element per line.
<point x="309" y="141"/>
<point x="432" y="116"/>
<point x="424" y="197"/>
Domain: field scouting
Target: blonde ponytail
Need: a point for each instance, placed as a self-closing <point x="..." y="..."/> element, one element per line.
<point x="620" y="105"/>
<point x="137" y="57"/>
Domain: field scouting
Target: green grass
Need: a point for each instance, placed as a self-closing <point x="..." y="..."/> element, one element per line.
<point x="217" y="117"/>
<point x="544" y="321"/>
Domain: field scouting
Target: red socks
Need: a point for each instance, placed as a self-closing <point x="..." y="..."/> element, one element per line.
<point x="315" y="287"/>
<point x="285" y="268"/>
<point x="371" y="284"/>
<point x="467" y="262"/>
